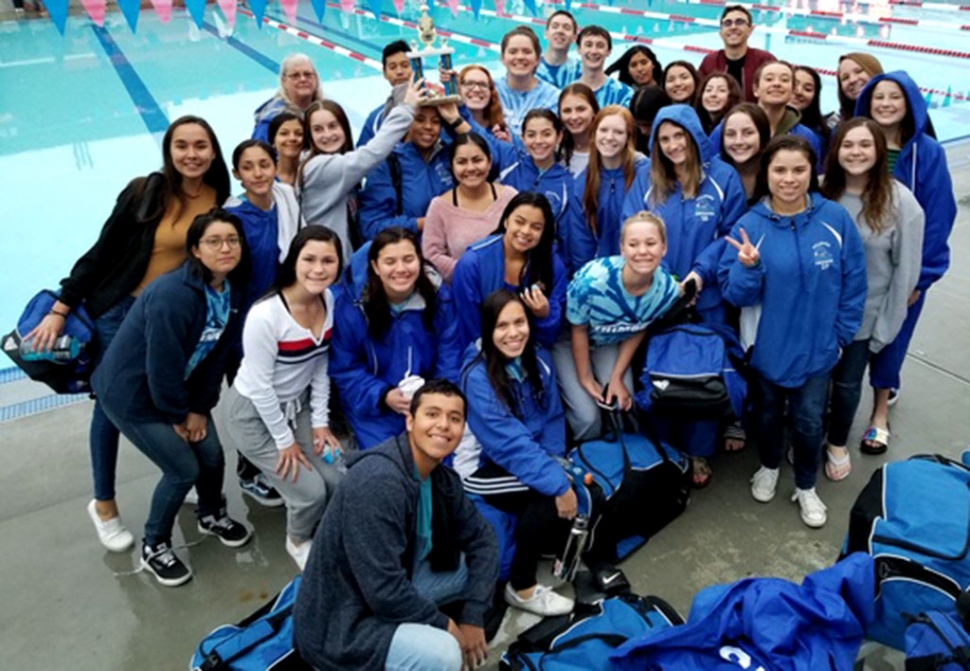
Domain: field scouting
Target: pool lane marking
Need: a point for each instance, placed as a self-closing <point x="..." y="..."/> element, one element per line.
<point x="914" y="4"/>
<point x="314" y="39"/>
<point x="665" y="43"/>
<point x="807" y="34"/>
<point x="245" y="49"/>
<point x="842" y="16"/>
<point x="151" y="113"/>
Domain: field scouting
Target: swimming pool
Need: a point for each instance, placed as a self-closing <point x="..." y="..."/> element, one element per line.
<point x="81" y="114"/>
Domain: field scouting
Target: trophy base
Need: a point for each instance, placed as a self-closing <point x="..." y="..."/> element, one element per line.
<point x="440" y="100"/>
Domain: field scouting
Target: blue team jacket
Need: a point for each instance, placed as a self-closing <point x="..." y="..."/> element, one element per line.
<point x="365" y="368"/>
<point x="804" y="299"/>
<point x="524" y="440"/>
<point x="921" y="166"/>
<point x="480" y="271"/>
<point x="695" y="227"/>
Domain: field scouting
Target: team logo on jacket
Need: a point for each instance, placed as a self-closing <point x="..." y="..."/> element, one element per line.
<point x="555" y="201"/>
<point x="822" y="251"/>
<point x="705" y="207"/>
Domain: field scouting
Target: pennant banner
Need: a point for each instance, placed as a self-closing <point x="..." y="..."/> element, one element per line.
<point x="289" y="8"/>
<point x="228" y="8"/>
<point x="196" y="11"/>
<point x="374" y="5"/>
<point x="531" y="6"/>
<point x="95" y="9"/>
<point x="346" y="5"/>
<point x="453" y="6"/>
<point x="499" y="7"/>
<point x="258" y="7"/>
<point x="163" y="8"/>
<point x="58" y="13"/>
<point x="318" y="7"/>
<point x="130" y="9"/>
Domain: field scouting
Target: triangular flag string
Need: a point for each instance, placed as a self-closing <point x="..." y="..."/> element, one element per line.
<point x="163" y="8"/>
<point x="318" y="8"/>
<point x="289" y="9"/>
<point x="228" y="8"/>
<point x="130" y="9"/>
<point x="196" y="11"/>
<point x="58" y="13"/>
<point x="258" y="7"/>
<point x="96" y="10"/>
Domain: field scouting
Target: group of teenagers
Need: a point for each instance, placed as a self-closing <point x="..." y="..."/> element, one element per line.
<point x="470" y="284"/>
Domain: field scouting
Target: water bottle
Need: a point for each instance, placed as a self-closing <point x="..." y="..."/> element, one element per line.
<point x="65" y="348"/>
<point x="565" y="567"/>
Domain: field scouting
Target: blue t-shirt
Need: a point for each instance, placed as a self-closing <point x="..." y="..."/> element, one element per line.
<point x="423" y="522"/>
<point x="597" y="298"/>
<point x="613" y="92"/>
<point x="516" y="104"/>
<point x="217" y="316"/>
<point x="559" y="76"/>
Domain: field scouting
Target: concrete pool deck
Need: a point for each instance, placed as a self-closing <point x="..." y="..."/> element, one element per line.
<point x="64" y="607"/>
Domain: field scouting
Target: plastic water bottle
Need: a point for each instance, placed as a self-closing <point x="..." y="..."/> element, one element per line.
<point x="65" y="348"/>
<point x="566" y="567"/>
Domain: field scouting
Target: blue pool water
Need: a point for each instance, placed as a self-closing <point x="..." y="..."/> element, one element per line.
<point x="81" y="114"/>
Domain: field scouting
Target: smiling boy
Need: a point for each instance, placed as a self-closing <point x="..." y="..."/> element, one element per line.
<point x="736" y="58"/>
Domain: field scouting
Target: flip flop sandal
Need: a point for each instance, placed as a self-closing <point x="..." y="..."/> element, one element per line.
<point x="876" y="441"/>
<point x="734" y="432"/>
<point x="837" y="469"/>
<point x="701" y="473"/>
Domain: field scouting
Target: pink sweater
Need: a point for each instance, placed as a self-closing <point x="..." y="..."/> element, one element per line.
<point x="449" y="230"/>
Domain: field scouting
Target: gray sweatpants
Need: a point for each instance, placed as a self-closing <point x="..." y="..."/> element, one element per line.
<point x="306" y="499"/>
<point x="582" y="413"/>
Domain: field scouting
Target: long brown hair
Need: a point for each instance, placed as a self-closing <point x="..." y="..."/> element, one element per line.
<point x="870" y="65"/>
<point x="878" y="208"/>
<point x="217" y="176"/>
<point x="493" y="114"/>
<point x="568" y="144"/>
<point x="663" y="176"/>
<point x="591" y="193"/>
<point x="313" y="150"/>
<point x="708" y="120"/>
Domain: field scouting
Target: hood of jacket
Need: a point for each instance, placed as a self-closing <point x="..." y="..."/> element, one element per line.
<point x="685" y="117"/>
<point x="914" y="100"/>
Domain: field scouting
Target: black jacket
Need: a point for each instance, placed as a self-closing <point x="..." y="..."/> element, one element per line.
<point x="357" y="586"/>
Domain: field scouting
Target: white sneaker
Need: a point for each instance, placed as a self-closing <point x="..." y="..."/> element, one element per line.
<point x="813" y="510"/>
<point x="299" y="553"/>
<point x="764" y="483"/>
<point x="192" y="498"/>
<point x="544" y="601"/>
<point x="112" y="533"/>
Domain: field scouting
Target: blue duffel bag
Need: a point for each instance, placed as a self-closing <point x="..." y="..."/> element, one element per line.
<point x="913" y="518"/>
<point x="584" y="640"/>
<point x="936" y="642"/>
<point x="261" y="642"/>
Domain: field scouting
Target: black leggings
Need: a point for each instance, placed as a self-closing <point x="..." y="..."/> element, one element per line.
<point x="539" y="531"/>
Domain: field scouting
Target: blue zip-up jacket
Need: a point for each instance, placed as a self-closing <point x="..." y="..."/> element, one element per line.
<point x="921" y="166"/>
<point x="371" y="125"/>
<point x="584" y="247"/>
<point x="420" y="182"/>
<point x="264" y="114"/>
<point x="526" y="440"/>
<point x="261" y="228"/>
<point x="695" y="227"/>
<point x="804" y="299"/>
<point x="557" y="184"/>
<point x="142" y="375"/>
<point x="365" y="368"/>
<point x="480" y="271"/>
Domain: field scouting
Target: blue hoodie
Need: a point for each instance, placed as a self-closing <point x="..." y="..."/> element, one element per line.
<point x="695" y="227"/>
<point x="365" y="368"/>
<point x="583" y="246"/>
<point x="420" y="182"/>
<point x="804" y="299"/>
<point x="264" y="114"/>
<point x="518" y="170"/>
<point x="921" y="166"/>
<point x="480" y="271"/>
<point x="525" y="440"/>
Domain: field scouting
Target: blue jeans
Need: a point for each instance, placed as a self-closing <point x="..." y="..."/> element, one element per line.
<point x="847" y="390"/>
<point x="806" y="405"/>
<point x="103" y="437"/>
<point x="183" y="465"/>
<point x="421" y="647"/>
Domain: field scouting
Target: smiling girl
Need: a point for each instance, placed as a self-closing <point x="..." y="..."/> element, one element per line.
<point x="286" y="137"/>
<point x="468" y="212"/>
<point x="481" y="98"/>
<point x="577" y="107"/>
<point x="746" y="133"/>
<point x="520" y="90"/>
<point x="719" y="93"/>
<point x="681" y="82"/>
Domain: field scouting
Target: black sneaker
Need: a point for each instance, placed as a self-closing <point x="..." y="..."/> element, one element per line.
<point x="261" y="491"/>
<point x="229" y="531"/>
<point x="161" y="562"/>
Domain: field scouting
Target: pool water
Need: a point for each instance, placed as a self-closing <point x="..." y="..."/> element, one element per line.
<point x="83" y="113"/>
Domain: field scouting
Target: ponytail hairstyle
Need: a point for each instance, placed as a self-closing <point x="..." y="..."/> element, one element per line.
<point x="591" y="192"/>
<point x="495" y="361"/>
<point x="568" y="144"/>
<point x="540" y="260"/>
<point x="878" y="209"/>
<point x="377" y="308"/>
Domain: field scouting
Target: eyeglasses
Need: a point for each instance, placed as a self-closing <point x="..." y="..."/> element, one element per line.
<point x="215" y="244"/>
<point x="301" y="75"/>
<point x="737" y="23"/>
<point x="476" y="85"/>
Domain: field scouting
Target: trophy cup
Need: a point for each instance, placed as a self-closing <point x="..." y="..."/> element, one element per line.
<point x="427" y="35"/>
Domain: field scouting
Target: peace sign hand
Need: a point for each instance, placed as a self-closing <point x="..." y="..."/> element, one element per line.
<point x="748" y="254"/>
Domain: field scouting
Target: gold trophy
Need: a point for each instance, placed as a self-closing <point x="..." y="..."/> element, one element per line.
<point x="427" y="35"/>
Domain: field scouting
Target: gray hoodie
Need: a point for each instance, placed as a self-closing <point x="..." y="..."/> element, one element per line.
<point x="893" y="261"/>
<point x="329" y="179"/>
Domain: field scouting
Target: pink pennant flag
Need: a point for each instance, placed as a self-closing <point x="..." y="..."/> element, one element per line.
<point x="347" y="6"/>
<point x="500" y="7"/>
<point x="163" y="8"/>
<point x="399" y="6"/>
<point x="95" y="9"/>
<point x="289" y="8"/>
<point x="453" y="6"/>
<point x="228" y="8"/>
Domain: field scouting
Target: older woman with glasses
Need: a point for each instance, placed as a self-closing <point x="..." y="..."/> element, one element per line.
<point x="299" y="86"/>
